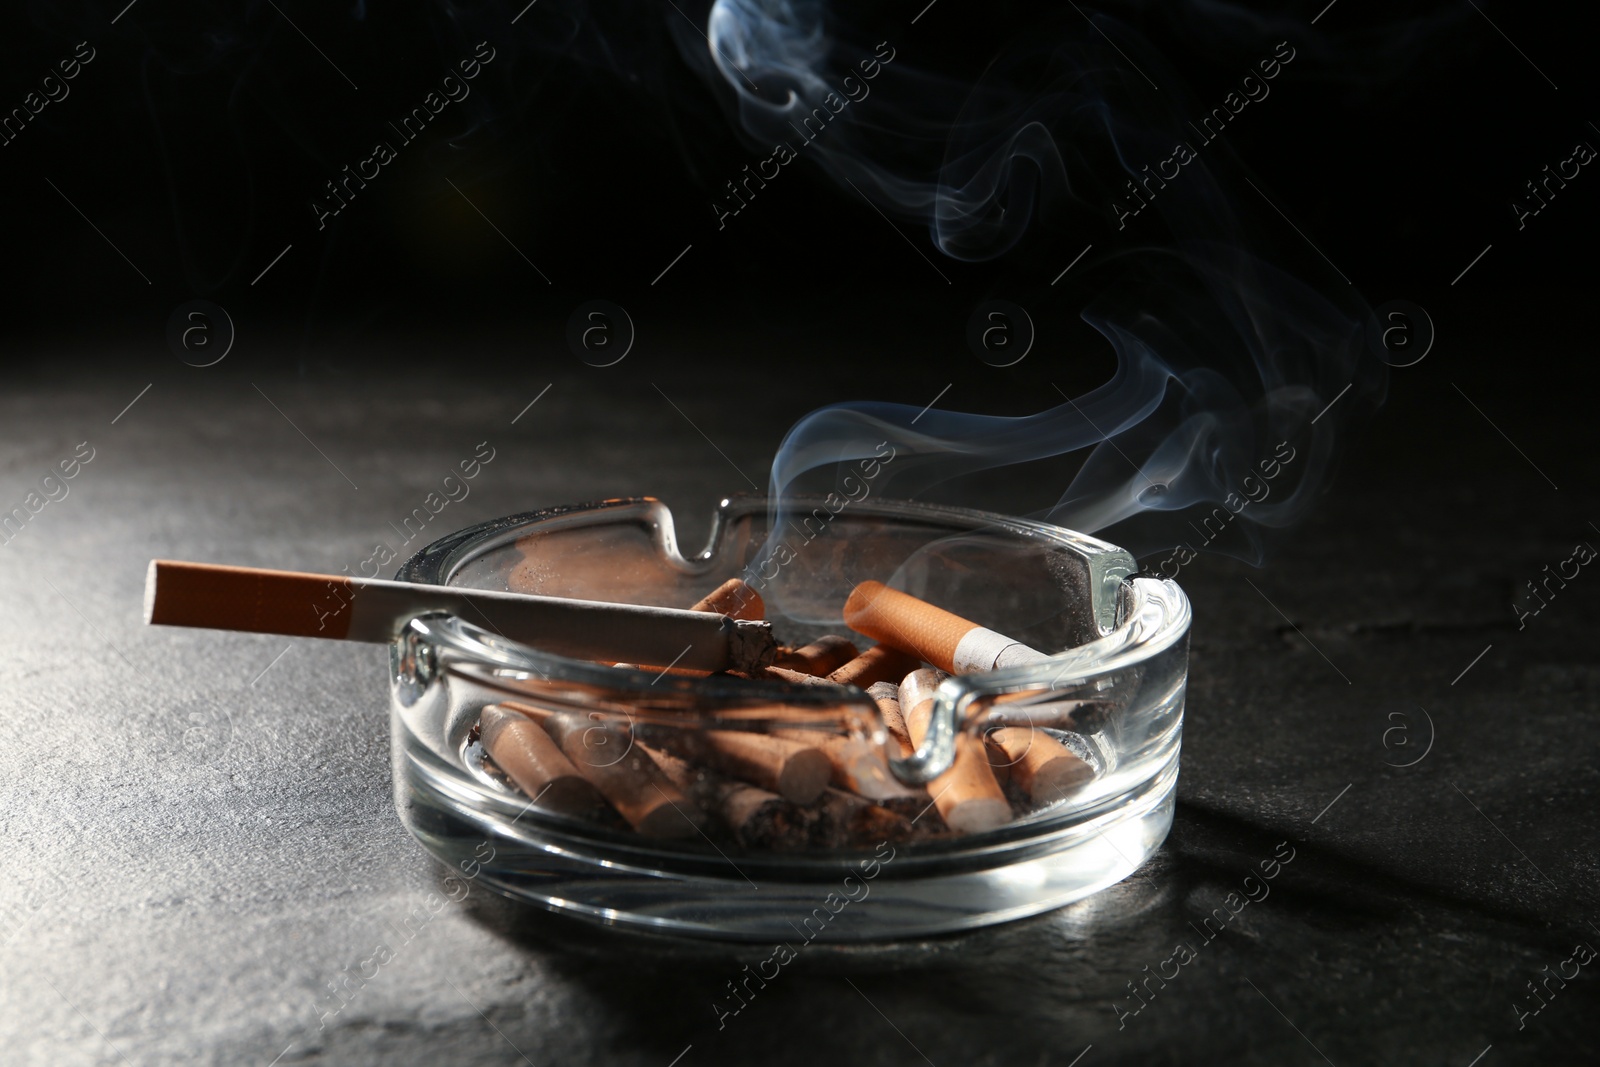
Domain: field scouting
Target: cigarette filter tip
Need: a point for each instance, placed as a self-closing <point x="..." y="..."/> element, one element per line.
<point x="150" y="592"/>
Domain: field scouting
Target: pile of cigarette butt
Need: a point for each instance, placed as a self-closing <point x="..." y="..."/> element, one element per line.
<point x="793" y="790"/>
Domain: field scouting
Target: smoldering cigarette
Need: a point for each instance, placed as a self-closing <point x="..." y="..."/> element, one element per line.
<point x="944" y="639"/>
<point x="622" y="771"/>
<point x="794" y="770"/>
<point x="967" y="795"/>
<point x="529" y="757"/>
<point x="821" y="657"/>
<point x="1045" y="768"/>
<point x="734" y="599"/>
<point x="880" y="663"/>
<point x="371" y="609"/>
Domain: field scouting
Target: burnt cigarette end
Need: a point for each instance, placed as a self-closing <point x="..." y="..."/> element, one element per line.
<point x="750" y="644"/>
<point x="760" y="819"/>
<point x="757" y="819"/>
<point x="843" y="820"/>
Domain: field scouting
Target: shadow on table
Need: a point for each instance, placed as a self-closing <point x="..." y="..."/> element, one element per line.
<point x="1209" y="855"/>
<point x="1049" y="985"/>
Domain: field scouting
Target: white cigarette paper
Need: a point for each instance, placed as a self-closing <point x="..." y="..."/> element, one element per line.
<point x="984" y="650"/>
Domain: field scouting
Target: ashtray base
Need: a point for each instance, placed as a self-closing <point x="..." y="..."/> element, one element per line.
<point x="867" y="899"/>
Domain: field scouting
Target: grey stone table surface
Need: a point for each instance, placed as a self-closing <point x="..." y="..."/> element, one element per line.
<point x="199" y="833"/>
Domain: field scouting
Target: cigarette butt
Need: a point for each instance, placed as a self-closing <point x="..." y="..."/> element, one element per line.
<point x="530" y="758"/>
<point x="945" y="640"/>
<point x="1041" y="765"/>
<point x="757" y="818"/>
<point x="859" y="767"/>
<point x="783" y="674"/>
<point x="696" y="783"/>
<point x="625" y="775"/>
<point x="843" y="820"/>
<point x="880" y="663"/>
<point x="760" y="819"/>
<point x="862" y="769"/>
<point x="734" y="599"/>
<point x="821" y="657"/>
<point x="887" y="696"/>
<point x="967" y="795"/>
<point x="255" y="600"/>
<point x="999" y="765"/>
<point x="794" y="770"/>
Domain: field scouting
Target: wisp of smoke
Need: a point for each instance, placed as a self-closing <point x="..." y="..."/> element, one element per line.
<point x="1225" y="362"/>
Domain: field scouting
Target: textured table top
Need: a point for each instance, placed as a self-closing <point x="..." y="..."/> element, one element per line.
<point x="199" y="832"/>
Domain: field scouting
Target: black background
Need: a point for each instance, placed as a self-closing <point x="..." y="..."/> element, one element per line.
<point x="200" y="134"/>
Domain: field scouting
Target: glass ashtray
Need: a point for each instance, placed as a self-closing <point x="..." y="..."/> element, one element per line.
<point x="748" y="808"/>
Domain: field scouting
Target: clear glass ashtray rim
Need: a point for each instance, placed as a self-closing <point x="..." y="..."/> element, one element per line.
<point x="1153" y="615"/>
<point x="1116" y="590"/>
